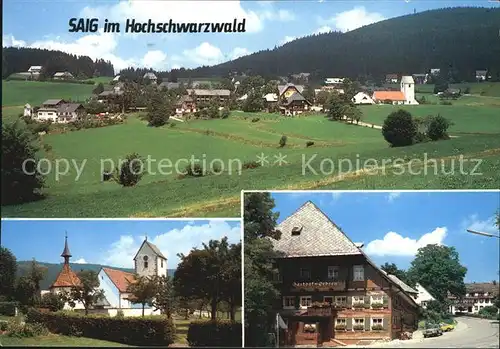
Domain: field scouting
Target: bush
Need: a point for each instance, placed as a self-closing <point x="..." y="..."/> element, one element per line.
<point x="489" y="311"/>
<point x="51" y="301"/>
<point x="19" y="330"/>
<point x="139" y="331"/>
<point x="255" y="119"/>
<point x="399" y="129"/>
<point x="438" y="128"/>
<point x="224" y="113"/>
<point x="3" y="325"/>
<point x="446" y="103"/>
<point x="283" y="140"/>
<point x="308" y="144"/>
<point x="250" y="164"/>
<point x="194" y="170"/>
<point x="131" y="170"/>
<point x="120" y="314"/>
<point x="8" y="308"/>
<point x="421" y="137"/>
<point x="219" y="333"/>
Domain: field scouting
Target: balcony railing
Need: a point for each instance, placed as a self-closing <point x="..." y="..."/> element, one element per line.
<point x="319" y="310"/>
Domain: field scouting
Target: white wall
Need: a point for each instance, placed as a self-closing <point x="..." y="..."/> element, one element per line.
<point x="110" y="291"/>
<point x="154" y="263"/>
<point x="45" y="116"/>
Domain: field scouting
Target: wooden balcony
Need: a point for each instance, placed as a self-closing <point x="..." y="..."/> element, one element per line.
<point x="319" y="311"/>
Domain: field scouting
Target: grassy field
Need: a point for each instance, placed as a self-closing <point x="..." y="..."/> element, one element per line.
<point x="18" y="93"/>
<point x="57" y="340"/>
<point x="242" y="138"/>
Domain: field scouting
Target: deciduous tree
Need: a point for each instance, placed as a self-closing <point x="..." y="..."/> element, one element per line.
<point x="143" y="291"/>
<point x="87" y="291"/>
<point x="8" y="269"/>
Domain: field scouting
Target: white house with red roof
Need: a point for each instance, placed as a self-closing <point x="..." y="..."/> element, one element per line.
<point x="406" y="94"/>
<point x="149" y="261"/>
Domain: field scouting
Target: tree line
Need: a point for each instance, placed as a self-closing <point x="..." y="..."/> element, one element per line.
<point x="16" y="60"/>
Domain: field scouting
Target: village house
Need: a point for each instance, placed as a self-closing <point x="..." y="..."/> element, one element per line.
<point x="111" y="96"/>
<point x="58" y="111"/>
<point x="150" y="77"/>
<point x="28" y="111"/>
<point x="481" y="75"/>
<point x="362" y="98"/>
<point x="148" y="261"/>
<point x="406" y="94"/>
<point x="184" y="105"/>
<point x="334" y="81"/>
<point x="205" y="96"/>
<point x="332" y="293"/>
<point x="421" y="78"/>
<point x="63" y="76"/>
<point x="478" y="295"/>
<point x="435" y="71"/>
<point x="35" y="69"/>
<point x="270" y="101"/>
<point x="424" y="297"/>
<point x="291" y="100"/>
<point x="391" y="78"/>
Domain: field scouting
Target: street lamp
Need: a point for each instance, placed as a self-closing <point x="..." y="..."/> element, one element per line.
<point x="483" y="233"/>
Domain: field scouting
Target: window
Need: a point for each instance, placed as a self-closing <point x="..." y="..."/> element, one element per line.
<point x="359" y="324"/>
<point x="377" y="322"/>
<point x="162" y="263"/>
<point x="341" y="300"/>
<point x="305" y="301"/>
<point x="145" y="259"/>
<point x="289" y="302"/>
<point x="309" y="328"/>
<point x="328" y="299"/>
<point x="377" y="299"/>
<point x="358" y="300"/>
<point x="305" y="273"/>
<point x="340" y="322"/>
<point x="481" y="301"/>
<point x="358" y="273"/>
<point x="333" y="273"/>
<point x="476" y="308"/>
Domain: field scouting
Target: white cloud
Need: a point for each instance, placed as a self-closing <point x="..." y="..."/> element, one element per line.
<point x="287" y="39"/>
<point x="394" y="244"/>
<point x="122" y="252"/>
<point x="239" y="52"/>
<point x="10" y="41"/>
<point x="474" y="223"/>
<point x="352" y="19"/>
<point x="80" y="261"/>
<point x="323" y="29"/>
<point x="204" y="54"/>
<point x="187" y="11"/>
<point x="393" y="196"/>
<point x="155" y="59"/>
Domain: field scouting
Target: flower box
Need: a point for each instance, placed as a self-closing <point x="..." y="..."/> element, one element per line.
<point x="358" y="327"/>
<point x="377" y="328"/>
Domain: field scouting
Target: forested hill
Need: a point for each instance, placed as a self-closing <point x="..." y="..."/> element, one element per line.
<point x="17" y="60"/>
<point x="54" y="269"/>
<point x="463" y="39"/>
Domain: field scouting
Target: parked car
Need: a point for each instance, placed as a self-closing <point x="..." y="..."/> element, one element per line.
<point x="446" y="327"/>
<point x="432" y="330"/>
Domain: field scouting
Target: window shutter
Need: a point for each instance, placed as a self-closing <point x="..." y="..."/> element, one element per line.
<point x="367" y="323"/>
<point x="348" y="323"/>
<point x="385" y="323"/>
<point x="349" y="301"/>
<point x="385" y="300"/>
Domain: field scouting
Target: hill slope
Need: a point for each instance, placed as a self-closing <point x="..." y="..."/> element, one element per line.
<point x="54" y="269"/>
<point x="464" y="39"/>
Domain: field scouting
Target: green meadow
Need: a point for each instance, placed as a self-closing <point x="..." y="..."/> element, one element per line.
<point x="342" y="156"/>
<point x="18" y="93"/>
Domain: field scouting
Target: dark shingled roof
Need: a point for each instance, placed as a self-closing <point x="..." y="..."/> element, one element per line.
<point x="295" y="97"/>
<point x="283" y="88"/>
<point x="319" y="236"/>
<point x="69" y="107"/>
<point x="52" y="102"/>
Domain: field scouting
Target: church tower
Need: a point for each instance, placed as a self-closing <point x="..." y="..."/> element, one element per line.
<point x="408" y="89"/>
<point x="67" y="277"/>
<point x="149" y="261"/>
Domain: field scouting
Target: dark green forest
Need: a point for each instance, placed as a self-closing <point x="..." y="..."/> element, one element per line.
<point x="16" y="60"/>
<point x="54" y="269"/>
<point x="456" y="40"/>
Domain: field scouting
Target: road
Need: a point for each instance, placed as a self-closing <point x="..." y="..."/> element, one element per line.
<point x="469" y="333"/>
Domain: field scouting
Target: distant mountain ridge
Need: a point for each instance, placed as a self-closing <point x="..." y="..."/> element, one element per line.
<point x="53" y="270"/>
<point x="456" y="40"/>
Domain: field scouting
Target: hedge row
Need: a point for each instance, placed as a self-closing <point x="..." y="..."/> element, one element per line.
<point x="219" y="333"/>
<point x="141" y="331"/>
<point x="8" y="308"/>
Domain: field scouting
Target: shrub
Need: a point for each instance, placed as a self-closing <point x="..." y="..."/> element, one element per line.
<point x="309" y="143"/>
<point x="438" y="128"/>
<point x="446" y="103"/>
<point x="3" y="325"/>
<point x="219" y="333"/>
<point x="283" y="140"/>
<point x="47" y="147"/>
<point x="194" y="170"/>
<point x="8" y="308"/>
<point x="139" y="331"/>
<point x="120" y="314"/>
<point x="255" y="119"/>
<point x="421" y="137"/>
<point x="489" y="311"/>
<point x="131" y="170"/>
<point x="51" y="301"/>
<point x="20" y="330"/>
<point x="250" y="164"/>
<point x="467" y="90"/>
<point x="399" y="129"/>
<point x="172" y="125"/>
<point x="224" y="113"/>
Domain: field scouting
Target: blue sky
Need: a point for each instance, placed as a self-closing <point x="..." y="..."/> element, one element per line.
<point x="113" y="242"/>
<point x="393" y="226"/>
<point x="44" y="24"/>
